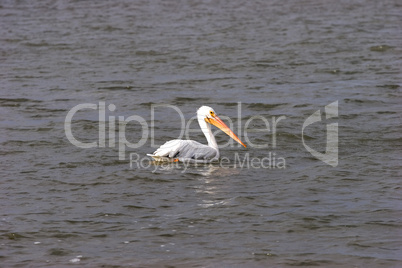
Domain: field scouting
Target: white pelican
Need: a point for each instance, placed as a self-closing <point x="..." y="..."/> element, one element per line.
<point x="189" y="150"/>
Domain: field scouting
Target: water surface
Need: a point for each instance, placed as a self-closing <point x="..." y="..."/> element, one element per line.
<point x="278" y="58"/>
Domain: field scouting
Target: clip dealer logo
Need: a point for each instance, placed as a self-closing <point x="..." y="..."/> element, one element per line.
<point x="109" y="125"/>
<point x="330" y="156"/>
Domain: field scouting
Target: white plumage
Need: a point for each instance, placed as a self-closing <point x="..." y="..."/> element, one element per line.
<point x="189" y="150"/>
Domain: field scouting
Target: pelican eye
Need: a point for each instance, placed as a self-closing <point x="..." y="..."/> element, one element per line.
<point x="212" y="113"/>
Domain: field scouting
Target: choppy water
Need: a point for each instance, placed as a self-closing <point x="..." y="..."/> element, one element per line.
<point x="278" y="58"/>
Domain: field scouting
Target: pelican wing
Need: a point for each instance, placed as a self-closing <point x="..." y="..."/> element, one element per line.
<point x="184" y="150"/>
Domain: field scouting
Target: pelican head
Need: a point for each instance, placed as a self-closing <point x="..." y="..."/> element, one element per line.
<point x="208" y="115"/>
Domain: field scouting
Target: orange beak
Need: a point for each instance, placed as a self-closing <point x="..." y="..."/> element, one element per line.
<point x="216" y="121"/>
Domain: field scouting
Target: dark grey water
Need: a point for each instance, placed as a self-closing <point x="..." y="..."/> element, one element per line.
<point x="278" y="58"/>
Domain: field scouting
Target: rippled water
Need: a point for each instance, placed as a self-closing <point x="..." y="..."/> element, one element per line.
<point x="61" y="204"/>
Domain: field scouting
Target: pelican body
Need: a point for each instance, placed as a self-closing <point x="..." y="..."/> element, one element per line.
<point x="189" y="150"/>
